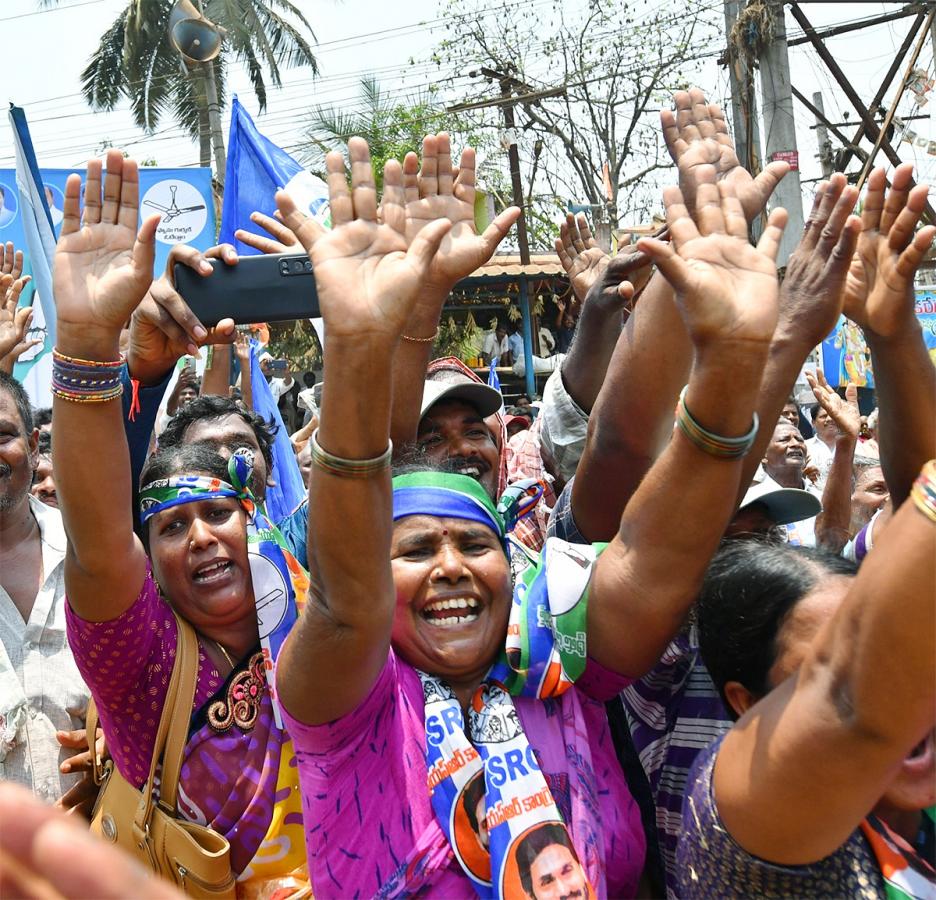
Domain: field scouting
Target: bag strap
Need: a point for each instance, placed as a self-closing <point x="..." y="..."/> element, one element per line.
<point x="181" y="717"/>
<point x="184" y="672"/>
<point x="91" y="724"/>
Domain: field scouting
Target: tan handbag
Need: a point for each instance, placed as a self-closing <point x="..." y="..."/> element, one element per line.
<point x="195" y="858"/>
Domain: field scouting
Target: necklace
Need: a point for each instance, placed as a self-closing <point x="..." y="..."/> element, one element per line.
<point x="224" y="653"/>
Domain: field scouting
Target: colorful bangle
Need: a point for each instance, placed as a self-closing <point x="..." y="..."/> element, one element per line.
<point x="417" y="340"/>
<point x="709" y="442"/>
<point x="923" y="491"/>
<point x="86" y="380"/>
<point x="348" y="468"/>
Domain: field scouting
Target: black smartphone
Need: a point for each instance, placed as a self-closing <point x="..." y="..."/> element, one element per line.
<point x="279" y="365"/>
<point x="269" y="288"/>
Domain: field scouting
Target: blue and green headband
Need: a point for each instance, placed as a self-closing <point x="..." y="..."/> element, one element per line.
<point x="443" y="494"/>
<point x="164" y="493"/>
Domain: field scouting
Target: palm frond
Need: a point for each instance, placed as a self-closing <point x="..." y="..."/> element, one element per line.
<point x="102" y="79"/>
<point x="135" y="57"/>
<point x="286" y="41"/>
<point x="293" y="10"/>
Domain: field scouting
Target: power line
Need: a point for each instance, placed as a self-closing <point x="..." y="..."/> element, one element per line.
<point x="51" y="9"/>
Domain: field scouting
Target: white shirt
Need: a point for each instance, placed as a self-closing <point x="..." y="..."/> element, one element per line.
<point x="547" y="342"/>
<point x="820" y="455"/>
<point x="492" y="347"/>
<point x="38" y="673"/>
<point x="565" y="426"/>
<point x="279" y="386"/>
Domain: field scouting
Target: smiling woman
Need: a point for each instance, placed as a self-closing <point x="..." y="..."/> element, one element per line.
<point x="420" y="668"/>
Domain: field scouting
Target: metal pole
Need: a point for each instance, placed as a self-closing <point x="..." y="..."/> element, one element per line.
<point x="780" y="129"/>
<point x="882" y="134"/>
<point x="214" y="119"/>
<point x="822" y="136"/>
<point x="514" y="155"/>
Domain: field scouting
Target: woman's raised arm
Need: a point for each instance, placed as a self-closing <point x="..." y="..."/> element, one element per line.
<point x="806" y="764"/>
<point x="367" y="281"/>
<point x="103" y="268"/>
<point x="727" y="296"/>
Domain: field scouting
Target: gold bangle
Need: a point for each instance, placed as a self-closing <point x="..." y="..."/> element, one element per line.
<point x="348" y="468"/>
<point x="418" y="340"/>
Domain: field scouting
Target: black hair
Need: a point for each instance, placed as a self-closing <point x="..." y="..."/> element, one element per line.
<point x="182" y="459"/>
<point x="20" y="398"/>
<point x="42" y="416"/>
<point x="45" y="443"/>
<point x="473" y="793"/>
<point x="535" y="843"/>
<point x="814" y="411"/>
<point x="748" y="592"/>
<point x="211" y="406"/>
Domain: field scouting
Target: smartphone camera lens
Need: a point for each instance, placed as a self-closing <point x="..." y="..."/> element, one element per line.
<point x="307" y="265"/>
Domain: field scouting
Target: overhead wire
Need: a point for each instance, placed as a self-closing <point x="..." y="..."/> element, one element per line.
<point x="287" y="112"/>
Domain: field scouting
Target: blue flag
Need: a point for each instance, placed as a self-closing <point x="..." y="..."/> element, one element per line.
<point x="493" y="380"/>
<point x="36" y="222"/>
<point x="288" y="491"/>
<point x="256" y="169"/>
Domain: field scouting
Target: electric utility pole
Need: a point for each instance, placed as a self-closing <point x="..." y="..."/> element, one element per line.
<point x="507" y="101"/>
<point x="780" y="129"/>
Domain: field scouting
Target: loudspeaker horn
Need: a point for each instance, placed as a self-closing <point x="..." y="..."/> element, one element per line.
<point x="196" y="38"/>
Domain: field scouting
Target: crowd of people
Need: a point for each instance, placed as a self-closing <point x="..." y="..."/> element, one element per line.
<point x="640" y="639"/>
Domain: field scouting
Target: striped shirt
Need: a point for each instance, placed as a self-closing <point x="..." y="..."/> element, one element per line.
<point x="674" y="713"/>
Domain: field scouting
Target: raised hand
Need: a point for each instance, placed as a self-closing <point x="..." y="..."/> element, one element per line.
<point x="366" y="271"/>
<point x="103" y="267"/>
<point x="281" y="239"/>
<point x="845" y="413"/>
<point x="14" y="323"/>
<point x="812" y="292"/>
<point x="11" y="260"/>
<point x="581" y="257"/>
<point x="726" y="290"/>
<point x="434" y="191"/>
<point x="696" y="135"/>
<point x="879" y="287"/>
<point x="163" y="328"/>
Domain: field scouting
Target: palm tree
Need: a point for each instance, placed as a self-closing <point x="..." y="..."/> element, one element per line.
<point x="391" y="126"/>
<point x="136" y="59"/>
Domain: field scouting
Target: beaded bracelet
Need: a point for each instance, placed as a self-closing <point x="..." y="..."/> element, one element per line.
<point x="923" y="491"/>
<point x="709" y="442"/>
<point x="418" y="340"/>
<point x="86" y="380"/>
<point x="348" y="468"/>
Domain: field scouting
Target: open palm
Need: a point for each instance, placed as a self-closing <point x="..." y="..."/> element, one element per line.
<point x="879" y="286"/>
<point x="435" y="191"/>
<point x="726" y="290"/>
<point x="697" y="137"/>
<point x="366" y="272"/>
<point x="581" y="257"/>
<point x="102" y="267"/>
